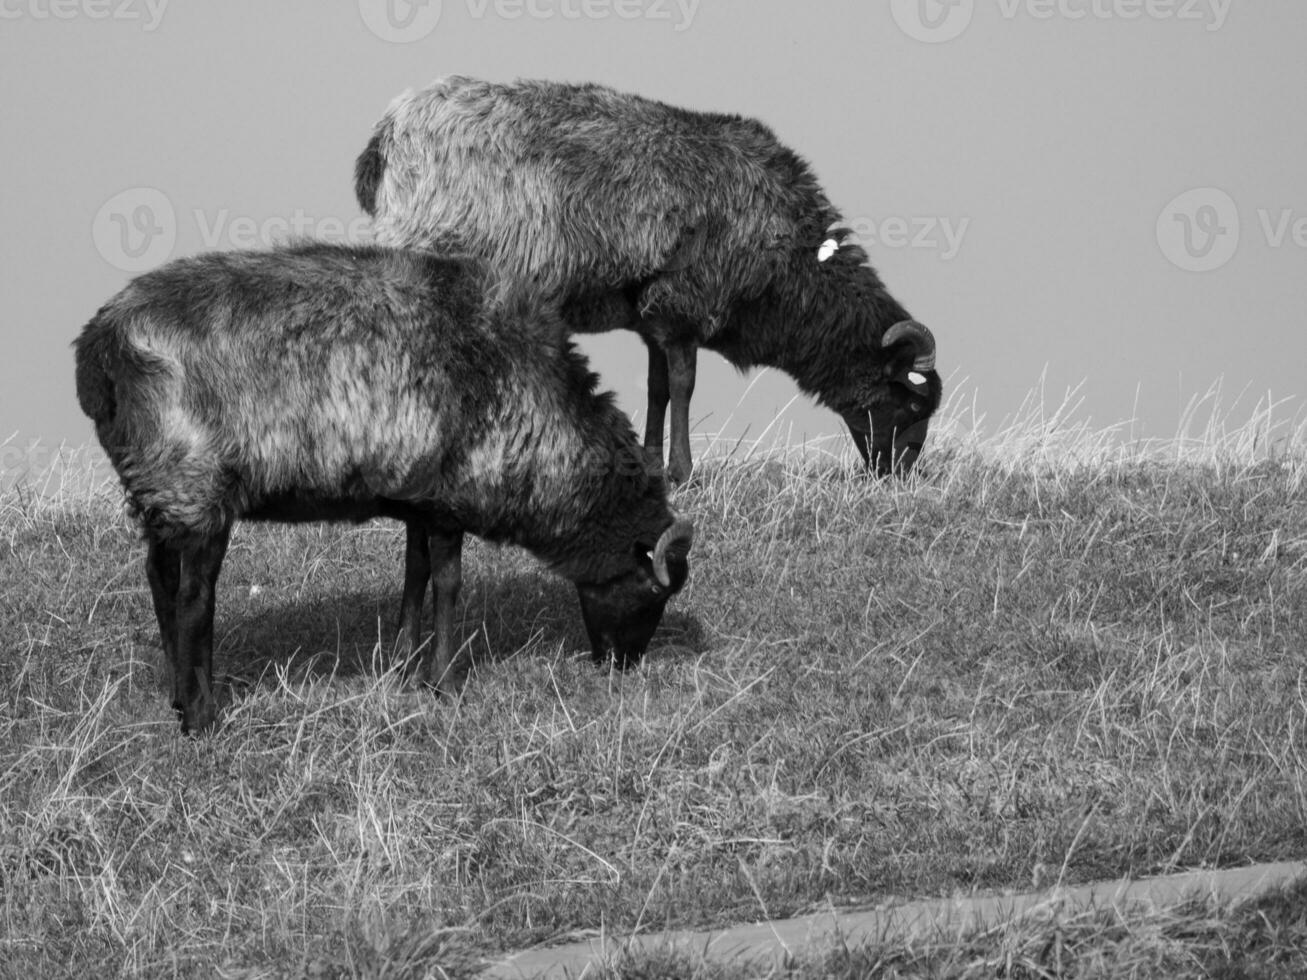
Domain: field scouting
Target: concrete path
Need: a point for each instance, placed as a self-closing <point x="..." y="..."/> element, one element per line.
<point x="769" y="942"/>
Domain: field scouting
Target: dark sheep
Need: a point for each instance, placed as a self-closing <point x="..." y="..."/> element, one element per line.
<point x="318" y="382"/>
<point x="694" y="229"/>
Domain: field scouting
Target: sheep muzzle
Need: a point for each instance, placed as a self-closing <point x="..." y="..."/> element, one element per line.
<point x="897" y="454"/>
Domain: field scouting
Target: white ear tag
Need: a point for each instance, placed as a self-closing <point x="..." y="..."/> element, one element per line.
<point x="828" y="248"/>
<point x="916" y="378"/>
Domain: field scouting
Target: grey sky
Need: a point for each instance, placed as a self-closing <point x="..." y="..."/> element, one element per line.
<point x="1110" y="191"/>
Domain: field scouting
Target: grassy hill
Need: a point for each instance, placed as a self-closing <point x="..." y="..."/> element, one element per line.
<point x="1043" y="659"/>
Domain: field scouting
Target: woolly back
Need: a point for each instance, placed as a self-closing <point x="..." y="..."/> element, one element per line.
<point x="580" y="187"/>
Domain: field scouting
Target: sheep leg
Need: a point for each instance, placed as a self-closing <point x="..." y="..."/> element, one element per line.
<point x="163" y="571"/>
<point x="193" y="694"/>
<point x="417" y="573"/>
<point x="448" y="668"/>
<point x="681" y="359"/>
<point x="656" y="415"/>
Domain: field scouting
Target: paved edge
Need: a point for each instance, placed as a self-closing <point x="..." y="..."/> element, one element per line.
<point x="903" y="923"/>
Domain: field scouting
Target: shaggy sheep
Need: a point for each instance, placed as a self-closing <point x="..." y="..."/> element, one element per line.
<point x="694" y="229"/>
<point x="334" y="383"/>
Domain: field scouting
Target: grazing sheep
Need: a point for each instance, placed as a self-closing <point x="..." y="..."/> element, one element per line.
<point x="320" y="382"/>
<point x="694" y="229"/>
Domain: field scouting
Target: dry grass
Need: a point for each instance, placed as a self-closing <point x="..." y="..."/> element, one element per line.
<point x="1054" y="655"/>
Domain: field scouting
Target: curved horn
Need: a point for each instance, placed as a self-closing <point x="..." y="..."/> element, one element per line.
<point x="922" y="339"/>
<point x="677" y="539"/>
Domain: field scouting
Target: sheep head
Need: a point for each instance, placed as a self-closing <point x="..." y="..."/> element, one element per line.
<point x="622" y="613"/>
<point x="889" y="428"/>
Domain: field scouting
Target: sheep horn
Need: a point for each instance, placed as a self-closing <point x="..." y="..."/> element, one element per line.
<point x="676" y="539"/>
<point x="921" y="338"/>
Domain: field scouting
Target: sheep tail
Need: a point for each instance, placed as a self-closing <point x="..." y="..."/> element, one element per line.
<point x="98" y="351"/>
<point x="111" y="376"/>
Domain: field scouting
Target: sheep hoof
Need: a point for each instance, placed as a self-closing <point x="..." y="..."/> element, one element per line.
<point x="678" y="473"/>
<point x="448" y="683"/>
<point x="198" y="717"/>
<point x="452" y="687"/>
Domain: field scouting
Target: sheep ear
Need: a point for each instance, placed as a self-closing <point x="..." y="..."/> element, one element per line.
<point x="835" y="236"/>
<point x="914" y="381"/>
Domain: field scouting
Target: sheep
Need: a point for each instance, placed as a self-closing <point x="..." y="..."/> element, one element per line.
<point x="693" y="229"/>
<point x="319" y="382"/>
